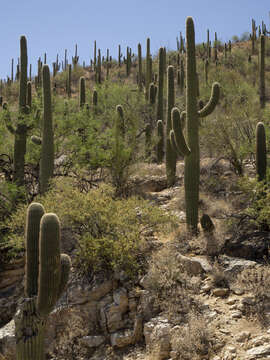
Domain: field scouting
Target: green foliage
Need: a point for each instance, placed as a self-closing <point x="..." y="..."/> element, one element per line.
<point x="109" y="231"/>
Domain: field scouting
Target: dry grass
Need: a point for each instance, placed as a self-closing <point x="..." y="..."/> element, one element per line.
<point x="256" y="281"/>
<point x="171" y="286"/>
<point x="193" y="341"/>
<point x="218" y="277"/>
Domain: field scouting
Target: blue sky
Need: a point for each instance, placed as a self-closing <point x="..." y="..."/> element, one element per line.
<point x="54" y="26"/>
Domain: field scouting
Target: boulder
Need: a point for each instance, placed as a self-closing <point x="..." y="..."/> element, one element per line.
<point x="252" y="246"/>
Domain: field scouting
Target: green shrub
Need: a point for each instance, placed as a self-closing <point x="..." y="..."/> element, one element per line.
<point x="109" y="231"/>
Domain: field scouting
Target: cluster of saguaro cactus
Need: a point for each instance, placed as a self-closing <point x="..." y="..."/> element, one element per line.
<point x="190" y="148"/>
<point x="46" y="277"/>
<point x="261" y="161"/>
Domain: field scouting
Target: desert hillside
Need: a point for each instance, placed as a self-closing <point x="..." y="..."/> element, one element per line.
<point x="135" y="202"/>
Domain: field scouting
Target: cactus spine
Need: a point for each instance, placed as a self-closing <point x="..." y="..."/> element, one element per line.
<point x="261" y="162"/>
<point x="262" y="70"/>
<point x="170" y="153"/>
<point x="191" y="148"/>
<point x="47" y="274"/>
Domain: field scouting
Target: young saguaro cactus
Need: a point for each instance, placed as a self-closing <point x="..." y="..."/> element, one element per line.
<point x="82" y="91"/>
<point x="140" y="67"/>
<point x="190" y="148"/>
<point x="170" y="153"/>
<point x="47" y="273"/>
<point x="69" y="81"/>
<point x="261" y="162"/>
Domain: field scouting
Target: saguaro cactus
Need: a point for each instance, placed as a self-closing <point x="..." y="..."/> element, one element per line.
<point x="261" y="162"/>
<point x="170" y="153"/>
<point x="82" y="91"/>
<point x="47" y="275"/>
<point x="29" y="94"/>
<point x="69" y="81"/>
<point x="160" y="115"/>
<point x="190" y="148"/>
<point x="47" y="150"/>
<point x="148" y="72"/>
<point x="140" y="67"/>
<point x="47" y="141"/>
<point x="262" y="70"/>
<point x="21" y="127"/>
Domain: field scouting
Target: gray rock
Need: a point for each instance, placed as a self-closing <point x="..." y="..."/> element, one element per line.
<point x="93" y="341"/>
<point x="234" y="265"/>
<point x="157" y="333"/>
<point x="252" y="246"/>
<point x="195" y="265"/>
<point x="236" y="314"/>
<point x="242" y="336"/>
<point x="258" y="352"/>
<point x="7" y="340"/>
<point x="128" y="337"/>
<point x="221" y="292"/>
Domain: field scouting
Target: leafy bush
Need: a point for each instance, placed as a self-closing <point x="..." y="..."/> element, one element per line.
<point x="109" y="231"/>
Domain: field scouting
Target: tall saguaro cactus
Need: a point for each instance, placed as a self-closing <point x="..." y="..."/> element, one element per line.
<point x="47" y="275"/>
<point x="261" y="162"/>
<point x="21" y="127"/>
<point x="160" y="116"/>
<point x="47" y="141"/>
<point x="82" y="91"/>
<point x="262" y="70"/>
<point x="170" y="153"/>
<point x="148" y="72"/>
<point x="190" y="148"/>
<point x="140" y="67"/>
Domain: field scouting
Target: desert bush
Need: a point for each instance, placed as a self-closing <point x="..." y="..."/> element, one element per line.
<point x="257" y="282"/>
<point x="171" y="286"/>
<point x="194" y="340"/>
<point x="109" y="231"/>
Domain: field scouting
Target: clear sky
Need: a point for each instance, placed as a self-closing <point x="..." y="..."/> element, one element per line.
<point x="52" y="26"/>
